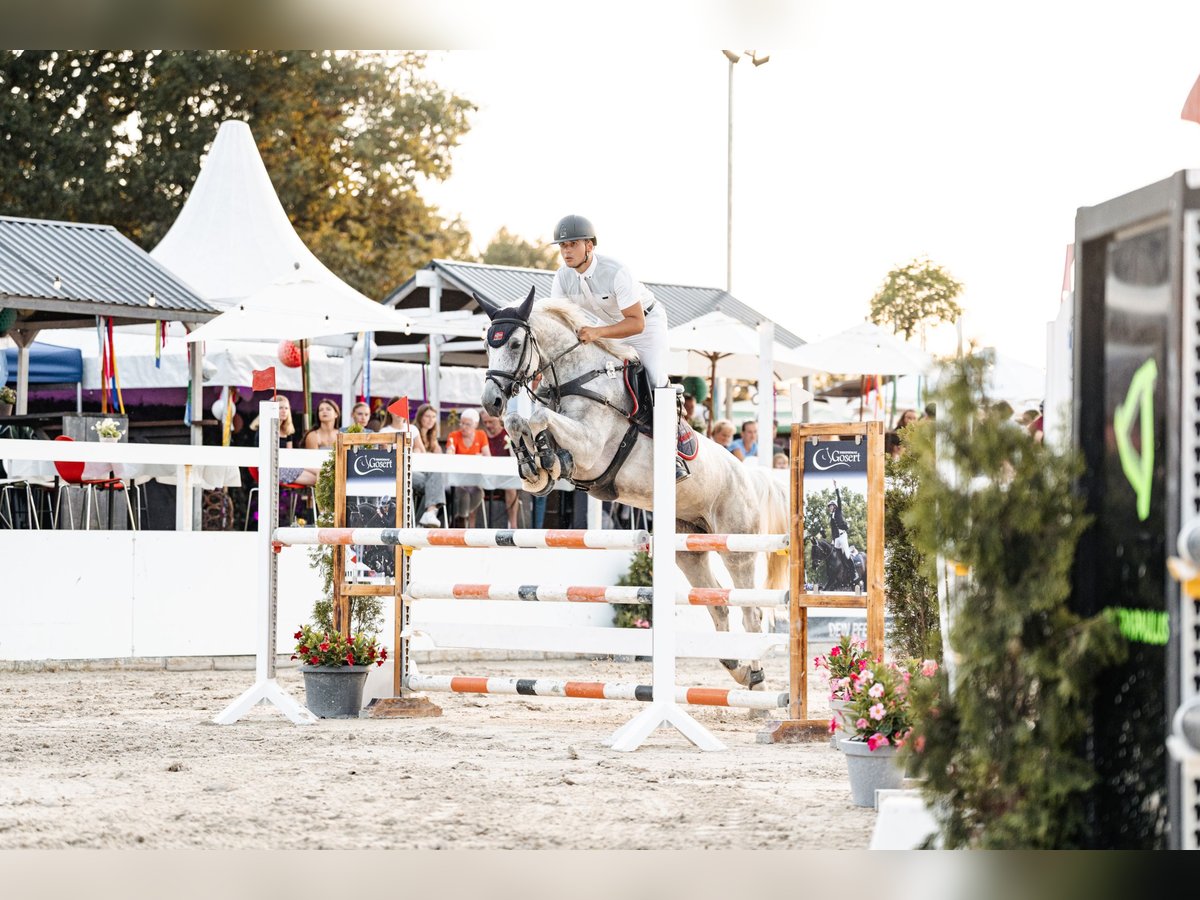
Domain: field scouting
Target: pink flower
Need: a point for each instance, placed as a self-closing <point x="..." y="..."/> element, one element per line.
<point x="906" y="676"/>
<point x="836" y="651"/>
<point x="313" y="660"/>
<point x="929" y="667"/>
<point x="866" y="675"/>
<point x="877" y="740"/>
<point x="323" y="646"/>
<point x="876" y="690"/>
<point x="877" y="712"/>
<point x="832" y="725"/>
<point x="919" y="745"/>
<point x="861" y="724"/>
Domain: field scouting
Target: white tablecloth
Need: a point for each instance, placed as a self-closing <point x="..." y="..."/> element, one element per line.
<point x="206" y="477"/>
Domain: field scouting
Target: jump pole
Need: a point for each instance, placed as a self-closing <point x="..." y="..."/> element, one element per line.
<point x="266" y="689"/>
<point x="663" y="709"/>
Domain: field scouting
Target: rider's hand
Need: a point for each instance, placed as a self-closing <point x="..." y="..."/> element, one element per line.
<point x="587" y="334"/>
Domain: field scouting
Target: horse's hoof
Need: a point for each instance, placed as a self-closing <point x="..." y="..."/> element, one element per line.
<point x="757" y="677"/>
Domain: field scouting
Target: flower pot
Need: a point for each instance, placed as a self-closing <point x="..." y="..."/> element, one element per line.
<point x="5" y="408"/>
<point x="105" y="439"/>
<point x="871" y="770"/>
<point x="334" y="692"/>
<point x="840" y="713"/>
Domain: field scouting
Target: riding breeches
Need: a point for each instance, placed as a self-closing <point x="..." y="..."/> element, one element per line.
<point x="842" y="542"/>
<point x="652" y="345"/>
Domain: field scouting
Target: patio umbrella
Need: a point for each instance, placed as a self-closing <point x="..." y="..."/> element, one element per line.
<point x="865" y="350"/>
<point x="716" y="339"/>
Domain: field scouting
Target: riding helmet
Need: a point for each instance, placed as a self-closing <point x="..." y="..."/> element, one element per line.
<point x="574" y="228"/>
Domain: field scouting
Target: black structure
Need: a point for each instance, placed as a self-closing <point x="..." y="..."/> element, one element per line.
<point x="1137" y="423"/>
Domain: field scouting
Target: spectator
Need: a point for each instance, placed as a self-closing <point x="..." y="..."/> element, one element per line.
<point x="429" y="488"/>
<point x="470" y="441"/>
<point x="324" y="435"/>
<point x="892" y="445"/>
<point x="722" y="432"/>
<point x="747" y="444"/>
<point x="497" y="437"/>
<point x="287" y="437"/>
<point x="780" y="461"/>
<point x="907" y="418"/>
<point x="360" y="414"/>
<point x="696" y="416"/>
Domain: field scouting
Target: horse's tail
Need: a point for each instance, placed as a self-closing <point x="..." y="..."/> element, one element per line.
<point x="774" y="518"/>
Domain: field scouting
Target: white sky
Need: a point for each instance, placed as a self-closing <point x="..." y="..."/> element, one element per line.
<point x="876" y="133"/>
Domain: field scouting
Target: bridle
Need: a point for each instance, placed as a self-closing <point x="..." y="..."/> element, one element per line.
<point x="516" y="381"/>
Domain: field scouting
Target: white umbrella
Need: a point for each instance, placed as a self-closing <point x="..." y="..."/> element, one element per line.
<point x="865" y="349"/>
<point x="301" y="308"/>
<point x="718" y="344"/>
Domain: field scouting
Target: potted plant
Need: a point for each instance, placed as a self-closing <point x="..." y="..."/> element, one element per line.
<point x="7" y="398"/>
<point x="108" y="431"/>
<point x="846" y="658"/>
<point x="880" y="716"/>
<point x="335" y="669"/>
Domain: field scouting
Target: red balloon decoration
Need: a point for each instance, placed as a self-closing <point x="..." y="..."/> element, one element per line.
<point x="289" y="354"/>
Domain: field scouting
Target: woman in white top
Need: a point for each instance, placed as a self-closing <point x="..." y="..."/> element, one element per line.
<point x="431" y="486"/>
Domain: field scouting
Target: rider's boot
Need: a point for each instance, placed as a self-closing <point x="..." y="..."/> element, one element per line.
<point x="686" y="444"/>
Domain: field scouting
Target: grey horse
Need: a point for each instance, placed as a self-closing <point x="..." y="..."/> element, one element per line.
<point x="579" y="435"/>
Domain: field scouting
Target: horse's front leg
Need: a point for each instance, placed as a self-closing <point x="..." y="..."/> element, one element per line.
<point x="534" y="478"/>
<point x="577" y="446"/>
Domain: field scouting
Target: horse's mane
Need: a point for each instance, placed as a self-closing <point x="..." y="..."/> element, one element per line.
<point x="572" y="317"/>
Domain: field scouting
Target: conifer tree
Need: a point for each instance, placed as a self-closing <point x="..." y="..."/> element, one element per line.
<point x="1002" y="757"/>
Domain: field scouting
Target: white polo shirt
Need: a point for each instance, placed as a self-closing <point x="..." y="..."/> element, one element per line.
<point x="606" y="288"/>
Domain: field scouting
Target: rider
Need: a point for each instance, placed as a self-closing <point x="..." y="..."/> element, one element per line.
<point x="838" y="529"/>
<point x="626" y="308"/>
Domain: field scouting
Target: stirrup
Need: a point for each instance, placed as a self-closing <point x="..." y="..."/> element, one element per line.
<point x="681" y="470"/>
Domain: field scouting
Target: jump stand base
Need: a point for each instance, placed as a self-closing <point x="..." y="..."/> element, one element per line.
<point x="401" y="708"/>
<point x="794" y="731"/>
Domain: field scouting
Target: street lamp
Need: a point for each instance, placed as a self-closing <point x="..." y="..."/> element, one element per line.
<point x="733" y="56"/>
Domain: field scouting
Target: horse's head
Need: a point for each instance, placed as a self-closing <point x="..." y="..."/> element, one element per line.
<point x="512" y="351"/>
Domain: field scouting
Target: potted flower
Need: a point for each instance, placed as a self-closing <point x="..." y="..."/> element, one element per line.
<point x="846" y="658"/>
<point x="108" y="431"/>
<point x="335" y="669"/>
<point x="881" y="718"/>
<point x="7" y="398"/>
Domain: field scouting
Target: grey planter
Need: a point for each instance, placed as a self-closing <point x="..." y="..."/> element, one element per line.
<point x="334" y="692"/>
<point x="871" y="770"/>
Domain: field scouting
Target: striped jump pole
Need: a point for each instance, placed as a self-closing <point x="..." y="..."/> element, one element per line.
<point x="533" y="538"/>
<point x="555" y="593"/>
<point x="594" y="690"/>
<point x="732" y="543"/>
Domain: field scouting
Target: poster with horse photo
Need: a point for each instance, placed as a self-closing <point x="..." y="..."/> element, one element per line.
<point x="835" y="516"/>
<point x="370" y="503"/>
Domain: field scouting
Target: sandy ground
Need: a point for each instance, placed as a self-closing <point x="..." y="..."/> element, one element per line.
<point x="131" y="759"/>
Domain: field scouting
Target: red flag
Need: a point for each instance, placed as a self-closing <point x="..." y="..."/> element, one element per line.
<point x="264" y="379"/>
<point x="399" y="408"/>
<point x="1191" y="106"/>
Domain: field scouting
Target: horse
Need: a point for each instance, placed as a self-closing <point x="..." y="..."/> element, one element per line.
<point x="842" y="574"/>
<point x="585" y="429"/>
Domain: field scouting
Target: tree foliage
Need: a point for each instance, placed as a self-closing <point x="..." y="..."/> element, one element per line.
<point x="117" y="138"/>
<point x="1002" y="757"/>
<point x="915" y="294"/>
<point x="508" y="249"/>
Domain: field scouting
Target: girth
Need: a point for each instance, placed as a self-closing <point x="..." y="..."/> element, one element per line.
<point x="603" y="486"/>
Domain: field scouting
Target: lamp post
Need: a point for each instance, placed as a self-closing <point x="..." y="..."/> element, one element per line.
<point x="733" y="56"/>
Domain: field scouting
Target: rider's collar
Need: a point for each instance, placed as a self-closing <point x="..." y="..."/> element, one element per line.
<point x="587" y="273"/>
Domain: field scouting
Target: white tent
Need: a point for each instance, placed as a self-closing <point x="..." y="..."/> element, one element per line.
<point x="865" y="349"/>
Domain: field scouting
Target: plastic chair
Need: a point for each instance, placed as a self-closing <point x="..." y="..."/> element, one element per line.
<point x="293" y="490"/>
<point x="72" y="474"/>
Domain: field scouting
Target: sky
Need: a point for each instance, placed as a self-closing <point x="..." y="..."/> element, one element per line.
<point x="875" y="134"/>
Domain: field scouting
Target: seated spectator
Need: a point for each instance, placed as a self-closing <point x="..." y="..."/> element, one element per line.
<point x="324" y="435"/>
<point x="779" y="461"/>
<point x="907" y="418"/>
<point x="722" y="432"/>
<point x="429" y="488"/>
<point x="497" y="437"/>
<point x="893" y="446"/>
<point x="696" y="416"/>
<point x="360" y="415"/>
<point x="468" y="440"/>
<point x="747" y="444"/>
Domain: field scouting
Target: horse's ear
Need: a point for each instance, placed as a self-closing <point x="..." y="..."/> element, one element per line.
<point x="525" y="308"/>
<point x="490" y="308"/>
